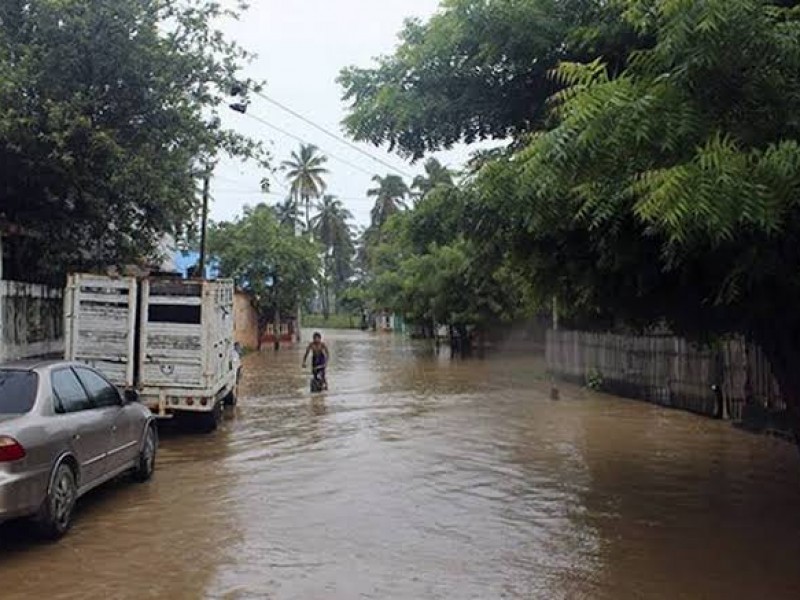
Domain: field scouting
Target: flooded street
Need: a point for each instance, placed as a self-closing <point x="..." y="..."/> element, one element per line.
<point x="418" y="477"/>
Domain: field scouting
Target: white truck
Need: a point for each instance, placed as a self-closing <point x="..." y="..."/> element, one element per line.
<point x="170" y="339"/>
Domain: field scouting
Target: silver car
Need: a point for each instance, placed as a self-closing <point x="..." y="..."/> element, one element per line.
<point x="64" y="429"/>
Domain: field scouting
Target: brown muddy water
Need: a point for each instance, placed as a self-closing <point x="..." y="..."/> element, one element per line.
<point x="417" y="477"/>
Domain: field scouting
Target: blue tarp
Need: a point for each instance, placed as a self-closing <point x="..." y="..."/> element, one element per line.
<point x="185" y="260"/>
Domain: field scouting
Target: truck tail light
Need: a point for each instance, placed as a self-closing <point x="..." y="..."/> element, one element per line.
<point x="10" y="449"/>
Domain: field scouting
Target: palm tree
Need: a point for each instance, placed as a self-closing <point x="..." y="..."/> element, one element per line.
<point x="330" y="226"/>
<point x="390" y="195"/>
<point x="436" y="174"/>
<point x="305" y="173"/>
<point x="330" y="223"/>
<point x="287" y="213"/>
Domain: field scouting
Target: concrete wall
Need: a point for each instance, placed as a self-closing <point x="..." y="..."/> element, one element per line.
<point x="245" y="321"/>
<point x="31" y="321"/>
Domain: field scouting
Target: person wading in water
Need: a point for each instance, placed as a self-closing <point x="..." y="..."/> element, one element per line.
<point x="319" y="358"/>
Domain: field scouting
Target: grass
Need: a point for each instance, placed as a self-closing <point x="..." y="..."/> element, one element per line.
<point x="316" y="321"/>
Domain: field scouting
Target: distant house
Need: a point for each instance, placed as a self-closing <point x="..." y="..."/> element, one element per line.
<point x="286" y="330"/>
<point x="386" y="321"/>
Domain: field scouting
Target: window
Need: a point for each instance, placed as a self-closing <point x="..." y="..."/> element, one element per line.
<point x="69" y="393"/>
<point x="174" y="313"/>
<point x="100" y="391"/>
<point x="17" y="392"/>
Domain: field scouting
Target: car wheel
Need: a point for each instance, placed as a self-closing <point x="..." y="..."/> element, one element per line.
<point x="55" y="515"/>
<point x="147" y="457"/>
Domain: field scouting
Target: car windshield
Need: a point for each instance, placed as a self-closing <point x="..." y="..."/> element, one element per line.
<point x="17" y="392"/>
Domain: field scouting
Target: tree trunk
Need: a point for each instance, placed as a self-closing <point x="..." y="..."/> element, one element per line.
<point x="326" y="307"/>
<point x="277" y="327"/>
<point x="308" y="214"/>
<point x="276" y="316"/>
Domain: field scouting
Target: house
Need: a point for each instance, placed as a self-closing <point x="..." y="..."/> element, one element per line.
<point x="386" y="321"/>
<point x="287" y="330"/>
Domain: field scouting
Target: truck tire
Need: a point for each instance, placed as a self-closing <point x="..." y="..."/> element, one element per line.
<point x="233" y="396"/>
<point x="55" y="516"/>
<point x="209" y="421"/>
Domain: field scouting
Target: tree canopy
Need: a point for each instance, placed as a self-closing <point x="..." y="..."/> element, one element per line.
<point x="108" y="110"/>
<point x="436" y="174"/>
<point x="266" y="260"/>
<point x="476" y="70"/>
<point x="390" y="196"/>
<point x="306" y="172"/>
<point x="331" y="228"/>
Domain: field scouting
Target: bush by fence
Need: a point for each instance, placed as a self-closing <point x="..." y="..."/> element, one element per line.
<point x="668" y="370"/>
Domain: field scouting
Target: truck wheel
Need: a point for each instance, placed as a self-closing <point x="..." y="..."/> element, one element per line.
<point x="208" y="422"/>
<point x="147" y="457"/>
<point x="55" y="516"/>
<point x="232" y="397"/>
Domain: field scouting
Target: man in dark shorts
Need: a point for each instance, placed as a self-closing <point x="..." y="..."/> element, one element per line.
<point x="319" y="358"/>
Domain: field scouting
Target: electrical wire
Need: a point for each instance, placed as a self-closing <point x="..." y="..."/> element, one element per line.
<point x="333" y="135"/>
<point x="252" y="192"/>
<point x="302" y="141"/>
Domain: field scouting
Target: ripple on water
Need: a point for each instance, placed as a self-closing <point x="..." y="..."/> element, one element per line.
<point x="417" y="477"/>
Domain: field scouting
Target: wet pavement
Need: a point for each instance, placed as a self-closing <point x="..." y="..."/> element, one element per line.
<point x="418" y="477"/>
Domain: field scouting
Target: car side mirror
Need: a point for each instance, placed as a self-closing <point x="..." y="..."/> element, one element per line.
<point x="129" y="396"/>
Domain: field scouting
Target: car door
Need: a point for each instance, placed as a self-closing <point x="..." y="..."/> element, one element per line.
<point x="89" y="429"/>
<point x="124" y="438"/>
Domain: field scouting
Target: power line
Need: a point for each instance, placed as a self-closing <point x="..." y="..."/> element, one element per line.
<point x="252" y="192"/>
<point x="333" y="135"/>
<point x="302" y="141"/>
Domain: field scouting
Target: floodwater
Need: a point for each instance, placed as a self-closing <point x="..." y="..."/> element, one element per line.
<point x="417" y="477"/>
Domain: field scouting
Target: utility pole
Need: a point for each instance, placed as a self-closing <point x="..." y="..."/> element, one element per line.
<point x="204" y="222"/>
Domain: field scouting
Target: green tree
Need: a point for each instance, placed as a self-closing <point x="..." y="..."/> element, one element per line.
<point x="332" y="229"/>
<point x="108" y="114"/>
<point x="305" y="172"/>
<point x="436" y="174"/>
<point x="478" y="70"/>
<point x="288" y="214"/>
<point x="427" y="268"/>
<point x="390" y="198"/>
<point x="266" y="260"/>
<point x="668" y="192"/>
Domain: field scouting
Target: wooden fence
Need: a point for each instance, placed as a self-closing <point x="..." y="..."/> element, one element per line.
<point x="31" y="321"/>
<point x="670" y="371"/>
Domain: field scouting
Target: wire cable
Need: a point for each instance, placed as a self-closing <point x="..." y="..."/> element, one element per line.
<point x="333" y="135"/>
<point x="302" y="141"/>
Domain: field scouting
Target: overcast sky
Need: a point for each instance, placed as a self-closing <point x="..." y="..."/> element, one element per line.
<point x="302" y="45"/>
